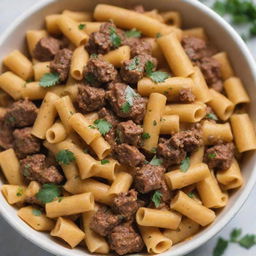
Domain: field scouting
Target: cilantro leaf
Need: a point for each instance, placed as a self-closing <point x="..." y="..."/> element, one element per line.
<point x="247" y="241"/>
<point x="104" y="161"/>
<point x="65" y="156"/>
<point x="90" y="78"/>
<point x="103" y="126"/>
<point x="156" y="161"/>
<point x="158" y="35"/>
<point x="156" y="199"/>
<point x="212" y="155"/>
<point x="184" y="166"/>
<point x="130" y="94"/>
<point x="36" y="212"/>
<point x="49" y="79"/>
<point x="154" y="122"/>
<point x="133" y="33"/>
<point x="191" y="194"/>
<point x="114" y="37"/>
<point x="145" y="136"/>
<point x="126" y="107"/>
<point x="81" y="26"/>
<point x="235" y="234"/>
<point x="159" y="76"/>
<point x="220" y="247"/>
<point x="212" y="116"/>
<point x="48" y="193"/>
<point x="220" y="7"/>
<point x="153" y="150"/>
<point x="134" y="63"/>
<point x="19" y="191"/>
<point x="149" y="67"/>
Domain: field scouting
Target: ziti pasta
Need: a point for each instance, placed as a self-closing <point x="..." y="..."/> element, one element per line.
<point x="120" y="129"/>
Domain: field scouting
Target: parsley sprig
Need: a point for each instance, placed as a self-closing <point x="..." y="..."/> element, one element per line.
<point x="133" y="33"/>
<point x="246" y="241"/>
<point x="102" y="125"/>
<point x="184" y="166"/>
<point x="48" y="193"/>
<point x="156" y="199"/>
<point x="49" y="79"/>
<point x="156" y="76"/>
<point x="130" y="94"/>
<point x="156" y="161"/>
<point x="114" y="37"/>
<point x="65" y="156"/>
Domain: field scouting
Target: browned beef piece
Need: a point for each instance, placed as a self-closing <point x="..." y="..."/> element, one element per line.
<point x="211" y="71"/>
<point x="6" y="136"/>
<point x="33" y="200"/>
<point x="124" y="239"/>
<point x="169" y="153"/>
<point x="139" y="8"/>
<point x="100" y="42"/>
<point x="219" y="157"/>
<point x="186" y="96"/>
<point x="164" y="190"/>
<point x="34" y="167"/>
<point x="90" y="98"/>
<point x="188" y="140"/>
<point x="104" y="220"/>
<point x="22" y="113"/>
<point x="138" y="46"/>
<point x="98" y="71"/>
<point x="196" y="48"/>
<point x="149" y="178"/>
<point x="110" y="137"/>
<point x="61" y="63"/>
<point x="108" y="116"/>
<point x="25" y="143"/>
<point x="130" y="133"/>
<point x="46" y="48"/>
<point x="129" y="155"/>
<point x="133" y="70"/>
<point x="117" y="98"/>
<point x="126" y="204"/>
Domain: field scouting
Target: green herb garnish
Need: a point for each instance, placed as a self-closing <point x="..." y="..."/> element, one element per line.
<point x="49" y="79"/>
<point x="114" y="37"/>
<point x="130" y="94"/>
<point x="156" y="76"/>
<point x="37" y="212"/>
<point x="103" y="126"/>
<point x="220" y="247"/>
<point x="90" y="78"/>
<point x="212" y="155"/>
<point x="19" y="191"/>
<point x="145" y="136"/>
<point x="184" y="166"/>
<point x="212" y="116"/>
<point x="48" y="193"/>
<point x="191" y="194"/>
<point x="156" y="199"/>
<point x="133" y="33"/>
<point x="65" y="156"/>
<point x="81" y="26"/>
<point x="156" y="161"/>
<point x="104" y="161"/>
<point x="135" y="62"/>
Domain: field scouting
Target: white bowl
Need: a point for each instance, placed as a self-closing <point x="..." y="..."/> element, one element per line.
<point x="194" y="14"/>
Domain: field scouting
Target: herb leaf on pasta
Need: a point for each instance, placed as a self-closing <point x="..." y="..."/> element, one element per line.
<point x="49" y="79"/>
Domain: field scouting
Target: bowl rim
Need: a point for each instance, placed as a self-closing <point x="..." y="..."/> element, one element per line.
<point x="218" y="226"/>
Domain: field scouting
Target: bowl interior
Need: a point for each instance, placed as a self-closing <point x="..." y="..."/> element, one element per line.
<point x="194" y="15"/>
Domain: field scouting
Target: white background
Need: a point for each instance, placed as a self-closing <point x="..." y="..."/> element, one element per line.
<point x="12" y="244"/>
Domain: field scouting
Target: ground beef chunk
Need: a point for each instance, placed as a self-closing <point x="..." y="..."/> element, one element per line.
<point x="104" y="220"/>
<point x="34" y="167"/>
<point x="164" y="190"/>
<point x="6" y="137"/>
<point x="186" y="96"/>
<point x="99" y="71"/>
<point x="61" y="63"/>
<point x="149" y="178"/>
<point x="188" y="140"/>
<point x="90" y="98"/>
<point x="22" y="113"/>
<point x="169" y="153"/>
<point x="219" y="157"/>
<point x="46" y="48"/>
<point x="108" y="116"/>
<point x="100" y="42"/>
<point x="133" y="70"/>
<point x="129" y="155"/>
<point x="138" y="46"/>
<point x="196" y="48"/>
<point x="124" y="239"/>
<point x="211" y="71"/>
<point x="129" y="133"/>
<point x="25" y="143"/>
<point x="126" y="204"/>
<point x="117" y="98"/>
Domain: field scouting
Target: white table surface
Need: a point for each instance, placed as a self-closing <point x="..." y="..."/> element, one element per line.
<point x="12" y="244"/>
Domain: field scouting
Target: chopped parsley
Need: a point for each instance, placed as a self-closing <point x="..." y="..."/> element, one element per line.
<point x="156" y="76"/>
<point x="158" y="35"/>
<point x="156" y="161"/>
<point x="130" y="94"/>
<point x="246" y="241"/>
<point x="48" y="193"/>
<point x="26" y="170"/>
<point x="37" y="212"/>
<point x="114" y="37"/>
<point x="135" y="62"/>
<point x="19" y="191"/>
<point x="90" y="78"/>
<point x="65" y="156"/>
<point x="153" y="150"/>
<point x="212" y="155"/>
<point x="212" y="116"/>
<point x="191" y="194"/>
<point x="49" y="79"/>
<point x="145" y="136"/>
<point x="92" y="126"/>
<point x="94" y="56"/>
<point x="60" y="199"/>
<point x="81" y="26"/>
<point x="104" y="161"/>
<point x="185" y="164"/>
<point x="133" y="33"/>
<point x="156" y="199"/>
<point x="103" y="126"/>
